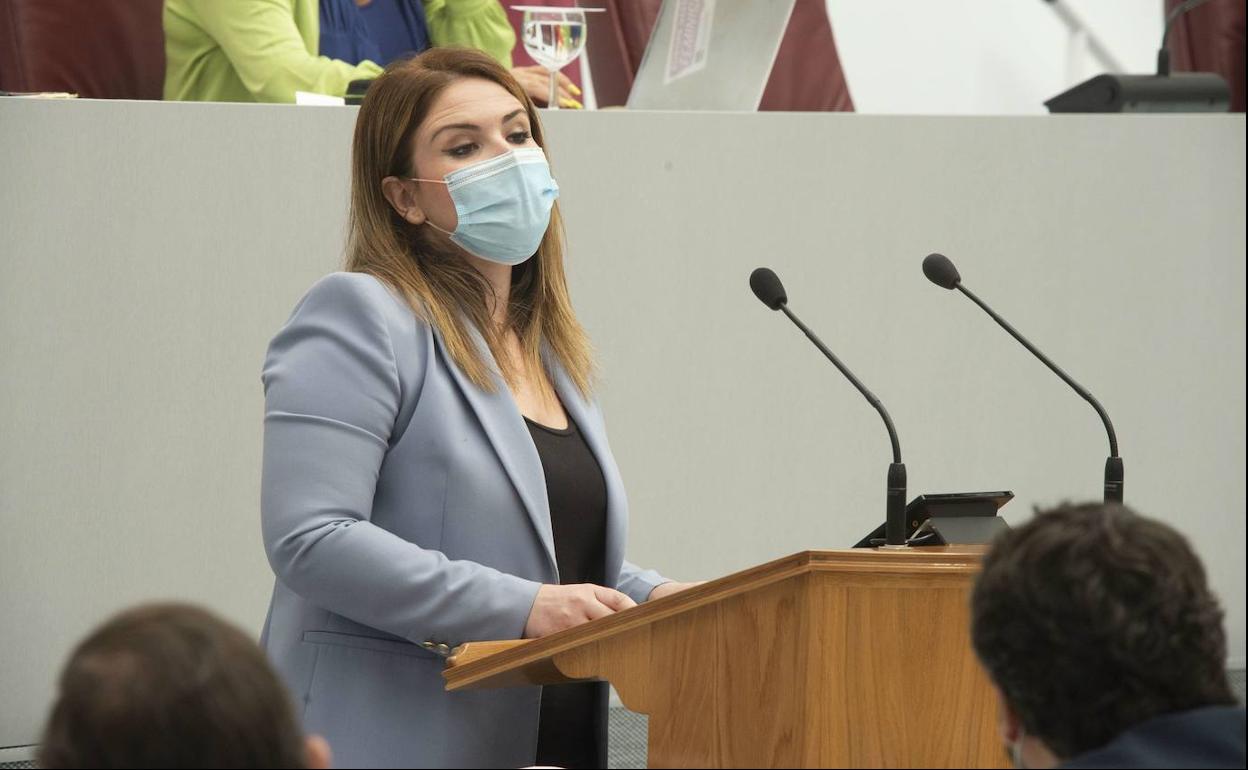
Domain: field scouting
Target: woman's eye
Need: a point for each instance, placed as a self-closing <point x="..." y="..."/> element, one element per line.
<point x="462" y="150"/>
<point x="520" y="137"/>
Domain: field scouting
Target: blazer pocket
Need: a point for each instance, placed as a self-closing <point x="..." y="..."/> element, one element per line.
<point x="372" y="643"/>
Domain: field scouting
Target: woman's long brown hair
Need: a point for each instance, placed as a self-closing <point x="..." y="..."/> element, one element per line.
<point x="441" y="287"/>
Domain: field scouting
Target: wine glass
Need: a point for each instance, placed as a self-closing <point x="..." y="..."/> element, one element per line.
<point x="554" y="37"/>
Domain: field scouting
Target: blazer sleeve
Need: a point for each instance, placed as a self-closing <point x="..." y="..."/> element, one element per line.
<point x="638" y="582"/>
<point x="332" y="394"/>
<point x="481" y="24"/>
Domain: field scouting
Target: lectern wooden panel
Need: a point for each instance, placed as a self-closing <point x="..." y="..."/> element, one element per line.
<point x="822" y="659"/>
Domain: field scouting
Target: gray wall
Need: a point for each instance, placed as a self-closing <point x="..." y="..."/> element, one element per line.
<point x="149" y="251"/>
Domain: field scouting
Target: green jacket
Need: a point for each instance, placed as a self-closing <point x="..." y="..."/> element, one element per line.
<point x="265" y="50"/>
<point x="480" y="24"/>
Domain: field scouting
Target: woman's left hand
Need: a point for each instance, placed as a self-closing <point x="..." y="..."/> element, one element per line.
<point x="667" y="589"/>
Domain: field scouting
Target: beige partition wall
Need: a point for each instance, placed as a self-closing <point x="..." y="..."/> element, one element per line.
<point x="149" y="251"/>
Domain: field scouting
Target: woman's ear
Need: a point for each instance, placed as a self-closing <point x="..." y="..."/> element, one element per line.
<point x="402" y="197"/>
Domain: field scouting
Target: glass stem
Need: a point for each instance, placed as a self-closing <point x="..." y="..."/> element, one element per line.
<point x="554" y="90"/>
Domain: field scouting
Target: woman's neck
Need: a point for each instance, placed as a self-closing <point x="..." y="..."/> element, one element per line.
<point x="499" y="279"/>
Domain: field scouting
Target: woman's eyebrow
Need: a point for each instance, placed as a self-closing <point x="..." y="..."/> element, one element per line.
<point x="474" y="126"/>
<point x="468" y="126"/>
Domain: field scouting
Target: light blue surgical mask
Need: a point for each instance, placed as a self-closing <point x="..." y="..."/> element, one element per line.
<point x="503" y="205"/>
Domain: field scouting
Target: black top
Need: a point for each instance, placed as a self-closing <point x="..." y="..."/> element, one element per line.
<point x="572" y="728"/>
<point x="578" y="502"/>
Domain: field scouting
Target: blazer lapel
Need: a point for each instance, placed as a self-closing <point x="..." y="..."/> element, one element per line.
<point x="504" y="427"/>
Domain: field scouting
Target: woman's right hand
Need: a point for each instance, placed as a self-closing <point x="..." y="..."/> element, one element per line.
<point x="535" y="81"/>
<point x="560" y="607"/>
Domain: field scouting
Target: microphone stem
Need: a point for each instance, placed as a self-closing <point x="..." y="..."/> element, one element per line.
<point x="875" y="402"/>
<point x="1163" y="54"/>
<point x="1083" y="393"/>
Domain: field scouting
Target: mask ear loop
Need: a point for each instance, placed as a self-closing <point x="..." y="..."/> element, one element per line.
<point x="427" y="220"/>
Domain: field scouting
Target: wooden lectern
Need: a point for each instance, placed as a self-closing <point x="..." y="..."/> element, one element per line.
<point x="822" y="659"/>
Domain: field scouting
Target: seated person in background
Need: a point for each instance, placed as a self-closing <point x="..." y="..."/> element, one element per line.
<point x="266" y="50"/>
<point x="1105" y="645"/>
<point x="250" y="51"/>
<point x="381" y="31"/>
<point x="173" y="686"/>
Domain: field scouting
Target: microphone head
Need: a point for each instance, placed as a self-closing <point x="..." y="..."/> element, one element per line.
<point x="767" y="287"/>
<point x="940" y="271"/>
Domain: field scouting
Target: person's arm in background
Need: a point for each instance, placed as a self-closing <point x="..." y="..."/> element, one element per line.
<point x="267" y="49"/>
<point x="483" y="24"/>
<point x="480" y="24"/>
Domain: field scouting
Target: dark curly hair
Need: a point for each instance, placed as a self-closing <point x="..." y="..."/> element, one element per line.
<point x="1091" y="619"/>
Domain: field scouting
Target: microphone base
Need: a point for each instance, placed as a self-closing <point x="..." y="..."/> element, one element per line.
<point x="1186" y="92"/>
<point x="959" y="518"/>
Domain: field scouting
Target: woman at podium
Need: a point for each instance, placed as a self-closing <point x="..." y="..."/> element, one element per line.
<point x="436" y="467"/>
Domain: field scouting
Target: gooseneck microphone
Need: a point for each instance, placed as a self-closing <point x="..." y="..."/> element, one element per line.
<point x="940" y="271"/>
<point x="767" y="287"/>
<point x="1163" y="53"/>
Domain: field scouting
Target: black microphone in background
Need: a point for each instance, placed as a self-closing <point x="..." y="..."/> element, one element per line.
<point x="940" y="271"/>
<point x="1162" y="92"/>
<point x="1163" y="53"/>
<point x="767" y="287"/>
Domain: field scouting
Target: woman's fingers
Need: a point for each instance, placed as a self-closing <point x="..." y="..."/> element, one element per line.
<point x="533" y="84"/>
<point x="596" y="609"/>
<point x="565" y="82"/>
<point x="567" y="100"/>
<point x="613" y="599"/>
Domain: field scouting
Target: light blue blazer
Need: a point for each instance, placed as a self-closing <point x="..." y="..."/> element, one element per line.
<point x="404" y="512"/>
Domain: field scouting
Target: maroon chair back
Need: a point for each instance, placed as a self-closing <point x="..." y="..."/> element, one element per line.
<point x="1210" y="38"/>
<point x="99" y="49"/>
